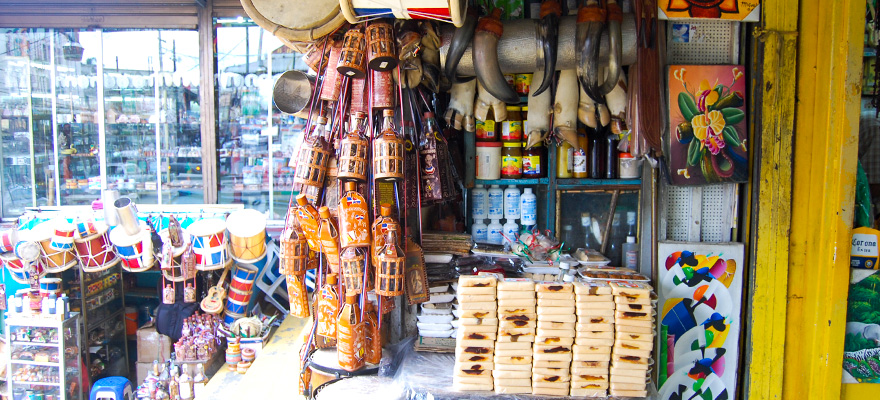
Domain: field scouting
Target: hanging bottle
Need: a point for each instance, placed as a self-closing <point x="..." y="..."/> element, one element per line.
<point x="353" y="151"/>
<point x="430" y="174"/>
<point x="309" y="221"/>
<point x="373" y="334"/>
<point x="354" y="220"/>
<point x="329" y="239"/>
<point x="390" y="265"/>
<point x="328" y="303"/>
<point x="380" y="228"/>
<point x="388" y="151"/>
<point x="313" y="163"/>
<point x="351" y="261"/>
<point x="350" y="340"/>
<point x="294" y="248"/>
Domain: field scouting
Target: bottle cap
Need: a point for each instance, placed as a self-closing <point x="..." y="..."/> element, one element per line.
<point x="428" y="115"/>
<point x="494" y="187"/>
<point x="387" y="113"/>
<point x="527" y="190"/>
<point x="385" y="209"/>
<point x="479" y="186"/>
<point x="513" y="108"/>
<point x="359" y="114"/>
<point x="322" y="120"/>
<point x="567" y="228"/>
<point x="301" y="199"/>
<point x="324" y="212"/>
<point x="511" y="186"/>
<point x="351" y="299"/>
<point x="630" y="239"/>
<point x="350" y="186"/>
<point x="513" y="144"/>
<point x="331" y="279"/>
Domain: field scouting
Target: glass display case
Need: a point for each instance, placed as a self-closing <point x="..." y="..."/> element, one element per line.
<point x="44" y="357"/>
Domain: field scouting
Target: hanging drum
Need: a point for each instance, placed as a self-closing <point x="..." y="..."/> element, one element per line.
<point x="294" y="249"/>
<point x="390" y="264"/>
<point x="351" y="261"/>
<point x="314" y="158"/>
<point x="381" y="47"/>
<point x="352" y="60"/>
<point x="451" y="11"/>
<point x="353" y="151"/>
<point x="292" y="22"/>
<point x="388" y="152"/>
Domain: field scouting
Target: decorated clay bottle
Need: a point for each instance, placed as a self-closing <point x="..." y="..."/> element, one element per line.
<point x="354" y="220"/>
<point x="390" y="265"/>
<point x="328" y="303"/>
<point x="308" y="219"/>
<point x="380" y="228"/>
<point x="350" y="346"/>
<point x="373" y="334"/>
<point x="329" y="239"/>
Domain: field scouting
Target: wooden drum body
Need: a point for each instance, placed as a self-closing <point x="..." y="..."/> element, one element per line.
<point x="247" y="235"/>
<point x="136" y="251"/>
<point x="55" y="260"/>
<point x="381" y="47"/>
<point x="95" y="252"/>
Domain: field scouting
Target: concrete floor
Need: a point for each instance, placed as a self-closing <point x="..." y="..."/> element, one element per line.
<point x="274" y="373"/>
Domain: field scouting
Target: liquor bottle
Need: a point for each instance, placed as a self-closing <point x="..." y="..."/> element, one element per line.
<point x="373" y="334"/>
<point x="173" y="386"/>
<point x="380" y="228"/>
<point x="350" y="347"/>
<point x="430" y="173"/>
<point x="388" y="151"/>
<point x="329" y="239"/>
<point x="308" y="220"/>
<point x="390" y="265"/>
<point x="354" y="219"/>
<point x="185" y="384"/>
<point x="328" y="303"/>
<point x="353" y="151"/>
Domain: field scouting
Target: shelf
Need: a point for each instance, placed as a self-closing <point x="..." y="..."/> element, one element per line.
<point x="540" y="181"/>
<point x="34" y="344"/>
<point x="580" y="183"/>
<point x="37" y="383"/>
<point x="37" y="363"/>
<point x="96" y="324"/>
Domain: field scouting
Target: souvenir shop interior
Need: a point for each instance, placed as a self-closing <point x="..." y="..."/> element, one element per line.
<point x="409" y="199"/>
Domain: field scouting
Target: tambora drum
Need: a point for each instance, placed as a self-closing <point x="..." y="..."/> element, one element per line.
<point x="296" y="22"/>
<point x="63" y="237"/>
<point x="17" y="266"/>
<point x="54" y="259"/>
<point x="208" y="238"/>
<point x="229" y="318"/>
<point x="50" y="286"/>
<point x="136" y="251"/>
<point x="451" y="11"/>
<point x="247" y="235"/>
<point x="243" y="277"/>
<point x="95" y="251"/>
<point x="8" y="239"/>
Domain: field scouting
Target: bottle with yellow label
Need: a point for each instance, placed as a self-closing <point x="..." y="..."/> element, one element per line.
<point x="511" y="160"/>
<point x="487" y="131"/>
<point x="512" y="127"/>
<point x="564" y="160"/>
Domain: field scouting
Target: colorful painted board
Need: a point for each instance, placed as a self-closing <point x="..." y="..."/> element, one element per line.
<point x="733" y="10"/>
<point x="708" y="127"/>
<point x="861" y="346"/>
<point x="700" y="290"/>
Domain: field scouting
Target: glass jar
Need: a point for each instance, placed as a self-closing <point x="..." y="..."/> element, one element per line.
<point x="512" y="127"/>
<point x="487" y="131"/>
<point x="534" y="160"/>
<point x="523" y="84"/>
<point x="511" y="160"/>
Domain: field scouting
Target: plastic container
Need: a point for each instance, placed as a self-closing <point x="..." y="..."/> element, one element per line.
<point x="131" y="320"/>
<point x="630" y="253"/>
<point x="488" y="160"/>
<point x="511" y="230"/>
<point x="528" y="209"/>
<point x="495" y="230"/>
<point x="511" y="202"/>
<point x="511" y="160"/>
<point x="479" y="203"/>
<point x="479" y="232"/>
<point x="630" y="167"/>
<point x="496" y="202"/>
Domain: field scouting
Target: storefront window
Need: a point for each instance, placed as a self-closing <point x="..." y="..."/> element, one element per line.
<point x="255" y="140"/>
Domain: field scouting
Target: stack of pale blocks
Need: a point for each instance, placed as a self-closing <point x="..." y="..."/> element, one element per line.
<point x="594" y="337"/>
<point x="634" y="339"/>
<point x="475" y="339"/>
<point x="551" y="365"/>
<point x="516" y="331"/>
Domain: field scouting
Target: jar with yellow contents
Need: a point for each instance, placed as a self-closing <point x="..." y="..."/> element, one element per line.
<point x="511" y="160"/>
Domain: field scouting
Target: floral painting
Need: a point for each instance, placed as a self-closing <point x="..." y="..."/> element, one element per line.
<point x="735" y="10"/>
<point x="708" y="129"/>
<point x="861" y="346"/>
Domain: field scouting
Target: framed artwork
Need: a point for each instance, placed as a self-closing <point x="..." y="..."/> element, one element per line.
<point x="708" y="127"/>
<point x="861" y="345"/>
<point x="700" y="291"/>
<point x="732" y="10"/>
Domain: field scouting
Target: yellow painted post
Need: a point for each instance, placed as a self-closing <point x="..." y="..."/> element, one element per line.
<point x="774" y="95"/>
<point x="826" y="140"/>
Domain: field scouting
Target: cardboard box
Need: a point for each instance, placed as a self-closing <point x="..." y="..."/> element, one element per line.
<point x="142" y="369"/>
<point x="152" y="345"/>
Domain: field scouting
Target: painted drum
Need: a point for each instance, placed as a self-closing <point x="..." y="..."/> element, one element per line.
<point x="235" y="307"/>
<point x="62" y="239"/>
<point x="95" y="251"/>
<point x="86" y="228"/>
<point x="244" y="273"/>
<point x="136" y="251"/>
<point x="248" y="354"/>
<point x="17" y="268"/>
<point x="54" y="260"/>
<point x="50" y="286"/>
<point x="239" y="296"/>
<point x="230" y="318"/>
<point x="208" y="238"/>
<point x="8" y="239"/>
<point x="247" y="234"/>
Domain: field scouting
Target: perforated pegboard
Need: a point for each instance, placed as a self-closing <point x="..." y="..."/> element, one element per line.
<point x="702" y="42"/>
<point x="705" y="213"/>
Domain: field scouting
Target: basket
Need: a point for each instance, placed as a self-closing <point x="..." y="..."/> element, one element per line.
<point x="351" y="261"/>
<point x="311" y="170"/>
<point x="294" y="251"/>
<point x="390" y="263"/>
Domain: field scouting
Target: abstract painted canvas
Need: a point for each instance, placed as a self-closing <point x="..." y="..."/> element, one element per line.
<point x="708" y="127"/>
<point x="700" y="290"/>
<point x="732" y="10"/>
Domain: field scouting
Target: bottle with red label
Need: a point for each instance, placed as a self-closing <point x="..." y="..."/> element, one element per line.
<point x="354" y="220"/>
<point x="350" y="339"/>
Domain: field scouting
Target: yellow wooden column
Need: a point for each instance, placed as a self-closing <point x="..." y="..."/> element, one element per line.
<point x="774" y="82"/>
<point x="830" y="45"/>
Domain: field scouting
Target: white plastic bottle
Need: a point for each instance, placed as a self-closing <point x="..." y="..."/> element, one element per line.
<point x="496" y="202"/>
<point x="479" y="232"/>
<point x="528" y="209"/>
<point x="495" y="230"/>
<point x="479" y="203"/>
<point x="630" y="253"/>
<point x="511" y="202"/>
<point x="511" y="230"/>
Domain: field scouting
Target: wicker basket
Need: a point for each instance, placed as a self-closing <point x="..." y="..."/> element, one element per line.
<point x="353" y="152"/>
<point x="351" y="262"/>
<point x="353" y="58"/>
<point x="380" y="228"/>
<point x="388" y="152"/>
<point x="294" y="250"/>
<point x="311" y="169"/>
<point x="381" y="47"/>
<point x="390" y="266"/>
